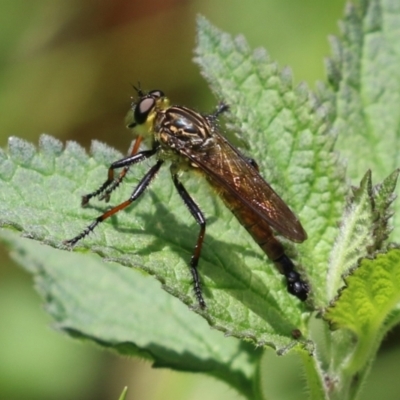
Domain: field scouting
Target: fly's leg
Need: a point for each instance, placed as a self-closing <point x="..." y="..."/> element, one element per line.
<point x="221" y="108"/>
<point x="126" y="163"/>
<point x="116" y="182"/>
<point x="140" y="188"/>
<point x="199" y="217"/>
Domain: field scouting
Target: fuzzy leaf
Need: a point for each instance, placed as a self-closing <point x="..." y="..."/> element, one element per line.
<point x="125" y="310"/>
<point x="41" y="199"/>
<point x="365" y="77"/>
<point x="363" y="230"/>
<point x="368" y="308"/>
<point x="384" y="196"/>
<point x="372" y="292"/>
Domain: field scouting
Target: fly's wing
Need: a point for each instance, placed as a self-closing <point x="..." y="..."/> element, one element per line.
<point x="227" y="167"/>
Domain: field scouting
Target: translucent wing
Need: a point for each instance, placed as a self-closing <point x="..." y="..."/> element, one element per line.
<point x="226" y="168"/>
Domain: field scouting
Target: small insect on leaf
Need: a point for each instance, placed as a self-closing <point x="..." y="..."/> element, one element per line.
<point x="189" y="140"/>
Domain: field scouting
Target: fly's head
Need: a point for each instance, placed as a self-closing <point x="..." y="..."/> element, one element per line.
<point x="145" y="110"/>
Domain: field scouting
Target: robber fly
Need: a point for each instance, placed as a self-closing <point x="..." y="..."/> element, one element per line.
<point x="191" y="141"/>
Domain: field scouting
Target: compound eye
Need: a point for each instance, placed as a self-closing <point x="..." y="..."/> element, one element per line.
<point x="156" y="93"/>
<point x="143" y="108"/>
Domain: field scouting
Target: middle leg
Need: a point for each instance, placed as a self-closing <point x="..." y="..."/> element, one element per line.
<point x="199" y="217"/>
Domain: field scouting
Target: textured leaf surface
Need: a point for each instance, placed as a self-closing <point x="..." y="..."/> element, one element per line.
<point x="364" y="312"/>
<point x="41" y="196"/>
<point x="125" y="309"/>
<point x="365" y="77"/>
<point x="372" y="292"/>
<point x="363" y="230"/>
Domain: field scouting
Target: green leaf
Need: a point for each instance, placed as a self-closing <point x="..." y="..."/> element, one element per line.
<point x="357" y="308"/>
<point x="41" y="199"/>
<point x="363" y="230"/>
<point x="125" y="310"/>
<point x="384" y="196"/>
<point x="123" y="394"/>
<point x="365" y="78"/>
<point x="367" y="307"/>
<point x="364" y="73"/>
<point x="372" y="291"/>
<point x="289" y="135"/>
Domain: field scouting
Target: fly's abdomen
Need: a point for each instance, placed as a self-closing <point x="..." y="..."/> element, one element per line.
<point x="262" y="233"/>
<point x="259" y="230"/>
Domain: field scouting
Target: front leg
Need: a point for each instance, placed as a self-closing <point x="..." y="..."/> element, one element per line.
<point x="124" y="162"/>
<point x="139" y="190"/>
<point x="116" y="182"/>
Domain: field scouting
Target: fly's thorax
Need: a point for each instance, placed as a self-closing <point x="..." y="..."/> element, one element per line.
<point x="179" y="128"/>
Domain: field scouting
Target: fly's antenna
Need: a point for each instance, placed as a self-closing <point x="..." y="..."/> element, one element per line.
<point x="221" y="108"/>
<point x="138" y="89"/>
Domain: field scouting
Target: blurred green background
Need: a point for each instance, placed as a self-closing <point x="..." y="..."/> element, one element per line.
<point x="66" y="68"/>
